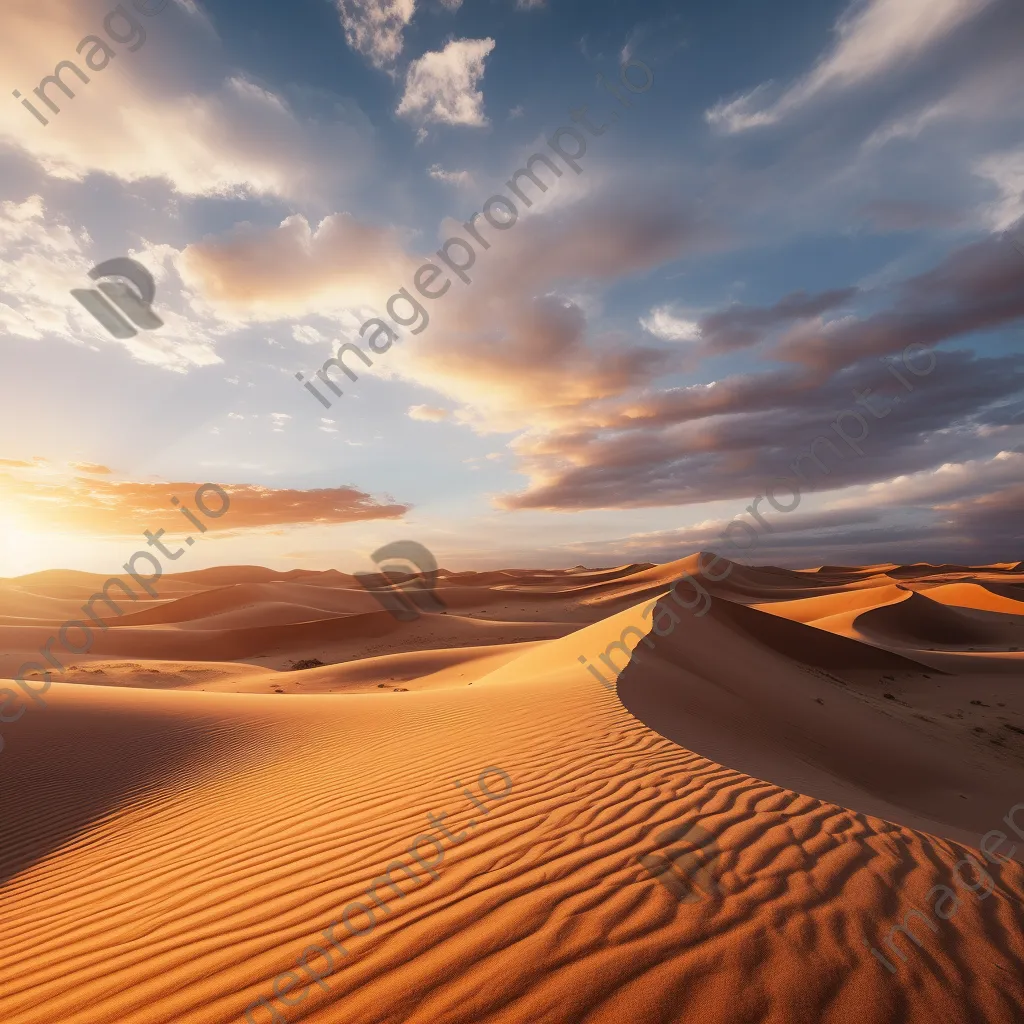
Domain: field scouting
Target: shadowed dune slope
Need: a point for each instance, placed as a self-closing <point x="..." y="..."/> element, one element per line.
<point x="918" y="620"/>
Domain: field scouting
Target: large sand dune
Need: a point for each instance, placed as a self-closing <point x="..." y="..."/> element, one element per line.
<point x="189" y="814"/>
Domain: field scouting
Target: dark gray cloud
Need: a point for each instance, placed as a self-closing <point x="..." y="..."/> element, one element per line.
<point x="982" y="529"/>
<point x="978" y="287"/>
<point x="729" y="446"/>
<point x="743" y="326"/>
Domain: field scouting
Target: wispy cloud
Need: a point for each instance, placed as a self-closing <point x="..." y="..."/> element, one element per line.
<point x="873" y="39"/>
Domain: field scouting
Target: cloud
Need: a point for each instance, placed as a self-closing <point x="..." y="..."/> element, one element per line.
<point x="438" y="173"/>
<point x="918" y="525"/>
<point x="975" y="288"/>
<point x="147" y="115"/>
<point x="38" y="252"/>
<point x="428" y="413"/>
<point x="665" y="324"/>
<point x="728" y="439"/>
<point x="442" y="86"/>
<point x="742" y="326"/>
<point x="874" y="39"/>
<point x="515" y="346"/>
<point x="510" y="346"/>
<point x="307" y="335"/>
<point x="893" y="151"/>
<point x="294" y="269"/>
<point x="42" y="258"/>
<point x="1006" y="171"/>
<point x="375" y="28"/>
<point x="126" y="507"/>
<point x="90" y="467"/>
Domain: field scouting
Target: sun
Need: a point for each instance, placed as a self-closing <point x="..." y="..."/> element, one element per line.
<point x="22" y="550"/>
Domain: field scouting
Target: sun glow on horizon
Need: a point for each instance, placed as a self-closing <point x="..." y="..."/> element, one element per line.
<point x="24" y="550"/>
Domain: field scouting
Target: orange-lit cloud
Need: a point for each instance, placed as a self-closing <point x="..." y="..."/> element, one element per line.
<point x="296" y="268"/>
<point x="123" y="507"/>
<point x="511" y="346"/>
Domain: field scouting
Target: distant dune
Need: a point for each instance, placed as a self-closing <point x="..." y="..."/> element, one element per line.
<point x="189" y="812"/>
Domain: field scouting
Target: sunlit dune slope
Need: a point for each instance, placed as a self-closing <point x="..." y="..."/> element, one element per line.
<point x="176" y="852"/>
<point x="167" y="853"/>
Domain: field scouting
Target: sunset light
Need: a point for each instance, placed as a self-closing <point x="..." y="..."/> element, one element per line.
<point x="510" y="512"/>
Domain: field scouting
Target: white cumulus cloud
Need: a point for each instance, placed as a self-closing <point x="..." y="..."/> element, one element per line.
<point x="442" y="87"/>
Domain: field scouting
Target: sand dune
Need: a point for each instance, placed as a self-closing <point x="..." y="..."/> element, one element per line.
<point x="919" y="620"/>
<point x="977" y="597"/>
<point x="834" y="602"/>
<point x="166" y="853"/>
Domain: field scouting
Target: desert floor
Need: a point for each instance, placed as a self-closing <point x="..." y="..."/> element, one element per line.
<point x="188" y="813"/>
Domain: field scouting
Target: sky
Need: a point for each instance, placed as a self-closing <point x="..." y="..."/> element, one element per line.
<point x="777" y="204"/>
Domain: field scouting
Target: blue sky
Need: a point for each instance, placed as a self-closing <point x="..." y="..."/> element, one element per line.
<point x="802" y="191"/>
